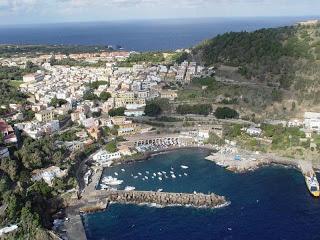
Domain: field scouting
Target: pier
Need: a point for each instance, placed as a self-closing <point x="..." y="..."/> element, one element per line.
<point x="163" y="198"/>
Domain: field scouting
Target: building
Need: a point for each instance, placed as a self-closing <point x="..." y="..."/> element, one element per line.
<point x="105" y="158"/>
<point x="4" y="152"/>
<point x="7" y="132"/>
<point x="312" y="121"/>
<point x="45" y="116"/>
<point x="169" y="94"/>
<point x="134" y="113"/>
<point x="253" y="131"/>
<point x="33" y="77"/>
<point x="48" y="174"/>
<point x="127" y="129"/>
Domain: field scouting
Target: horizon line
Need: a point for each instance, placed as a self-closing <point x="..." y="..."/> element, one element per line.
<point x="152" y="19"/>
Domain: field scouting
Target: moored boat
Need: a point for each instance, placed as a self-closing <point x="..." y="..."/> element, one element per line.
<point x="312" y="184"/>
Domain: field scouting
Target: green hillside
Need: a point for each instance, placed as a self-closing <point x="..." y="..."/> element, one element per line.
<point x="288" y="57"/>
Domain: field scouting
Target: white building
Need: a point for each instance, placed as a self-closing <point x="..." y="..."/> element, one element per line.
<point x="312" y="121"/>
<point x="48" y="174"/>
<point x="134" y="113"/>
<point x="105" y="158"/>
<point x="253" y="131"/>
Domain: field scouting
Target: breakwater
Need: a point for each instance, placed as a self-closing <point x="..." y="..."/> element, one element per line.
<point x="167" y="199"/>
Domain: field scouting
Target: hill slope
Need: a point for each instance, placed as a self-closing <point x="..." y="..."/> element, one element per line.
<point x="288" y="57"/>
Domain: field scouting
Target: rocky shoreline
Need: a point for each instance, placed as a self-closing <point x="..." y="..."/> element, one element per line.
<point x="166" y="199"/>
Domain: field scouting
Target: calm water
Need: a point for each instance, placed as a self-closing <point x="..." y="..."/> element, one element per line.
<point x="271" y="203"/>
<point x="137" y="35"/>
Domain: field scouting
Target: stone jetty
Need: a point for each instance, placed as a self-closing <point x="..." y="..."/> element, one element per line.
<point x="167" y="199"/>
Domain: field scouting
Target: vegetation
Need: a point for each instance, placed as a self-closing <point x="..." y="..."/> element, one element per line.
<point x="29" y="203"/>
<point x="200" y="109"/>
<point x="153" y="57"/>
<point x="225" y="112"/>
<point x="111" y="147"/>
<point x="152" y="109"/>
<point x="286" y="57"/>
<point x="104" y="96"/>
<point x="9" y="94"/>
<point x="16" y="73"/>
<point x="55" y="102"/>
<point x="117" y="111"/>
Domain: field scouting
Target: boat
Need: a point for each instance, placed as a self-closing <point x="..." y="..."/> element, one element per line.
<point x="146" y="177"/>
<point x="115" y="173"/>
<point x="173" y="176"/>
<point x="184" y="167"/>
<point x="180" y="175"/>
<point x="129" y="188"/>
<point x="312" y="184"/>
<point x="147" y="172"/>
<point x="135" y="177"/>
<point x="111" y="181"/>
<point x="160" y="178"/>
<point x="154" y="174"/>
<point x="139" y="173"/>
<point x="160" y="190"/>
<point x="185" y="174"/>
<point x="123" y="170"/>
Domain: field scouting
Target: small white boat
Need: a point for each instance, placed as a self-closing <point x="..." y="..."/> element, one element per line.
<point x="173" y="176"/>
<point x="164" y="172"/>
<point x="129" y="188"/>
<point x="111" y="181"/>
<point x="159" y="173"/>
<point x="146" y="177"/>
<point x="160" y="178"/>
<point x="154" y="174"/>
<point x="139" y="173"/>
<point x="171" y="168"/>
<point x="185" y="174"/>
<point x="131" y="175"/>
<point x="180" y="175"/>
<point x="147" y="172"/>
<point x="171" y="172"/>
<point x="115" y="173"/>
<point x="160" y="190"/>
<point x="152" y="177"/>
<point x="135" y="177"/>
<point x="184" y="167"/>
<point x="123" y="170"/>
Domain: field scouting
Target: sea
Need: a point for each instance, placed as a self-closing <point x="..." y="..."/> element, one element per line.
<point x="137" y="35"/>
<point x="270" y="203"/>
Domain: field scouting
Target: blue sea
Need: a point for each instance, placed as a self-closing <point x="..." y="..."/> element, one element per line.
<point x="137" y="35"/>
<point x="270" y="203"/>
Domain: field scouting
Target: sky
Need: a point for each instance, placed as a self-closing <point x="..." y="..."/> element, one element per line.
<point x="53" y="11"/>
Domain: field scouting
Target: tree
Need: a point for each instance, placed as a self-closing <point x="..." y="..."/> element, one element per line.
<point x="152" y="109"/>
<point x="10" y="167"/>
<point x="29" y="221"/>
<point x="104" y="96"/>
<point x="111" y="147"/>
<point x="117" y="111"/>
<point x="225" y="112"/>
<point x="56" y="102"/>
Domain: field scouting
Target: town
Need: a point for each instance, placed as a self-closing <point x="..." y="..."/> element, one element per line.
<point x="87" y="111"/>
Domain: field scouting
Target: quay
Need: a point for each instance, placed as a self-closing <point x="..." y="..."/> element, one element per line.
<point x="163" y="198"/>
